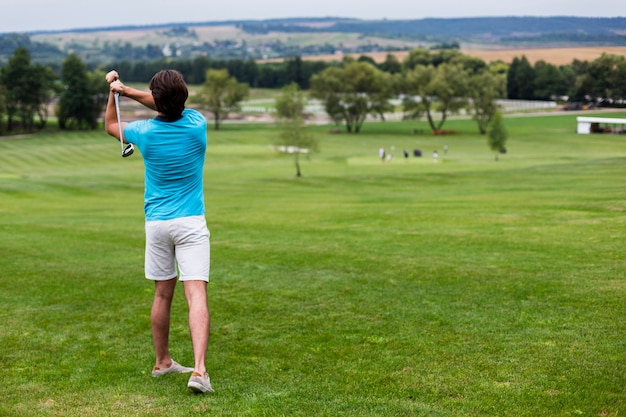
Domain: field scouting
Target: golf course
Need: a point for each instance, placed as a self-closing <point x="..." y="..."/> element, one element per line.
<point x="449" y="287"/>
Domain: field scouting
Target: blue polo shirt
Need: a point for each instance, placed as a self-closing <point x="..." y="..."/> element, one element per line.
<point x="173" y="154"/>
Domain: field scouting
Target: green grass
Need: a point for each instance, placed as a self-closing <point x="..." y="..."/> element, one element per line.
<point x="466" y="287"/>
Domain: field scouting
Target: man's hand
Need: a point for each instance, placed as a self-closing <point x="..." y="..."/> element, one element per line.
<point x="118" y="87"/>
<point x="112" y="76"/>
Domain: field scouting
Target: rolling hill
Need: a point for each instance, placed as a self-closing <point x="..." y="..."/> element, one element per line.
<point x="324" y="38"/>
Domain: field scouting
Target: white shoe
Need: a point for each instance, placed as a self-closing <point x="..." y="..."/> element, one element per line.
<point x="175" y="368"/>
<point x="200" y="383"/>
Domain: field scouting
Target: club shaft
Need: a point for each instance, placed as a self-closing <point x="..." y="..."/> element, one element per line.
<point x="119" y="119"/>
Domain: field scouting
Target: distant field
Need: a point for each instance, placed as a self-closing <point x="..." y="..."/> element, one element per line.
<point x="212" y="34"/>
<point x="557" y="56"/>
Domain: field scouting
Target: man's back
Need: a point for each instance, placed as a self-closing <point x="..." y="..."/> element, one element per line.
<point x="173" y="153"/>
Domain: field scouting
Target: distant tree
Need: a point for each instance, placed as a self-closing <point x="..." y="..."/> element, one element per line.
<point x="446" y="45"/>
<point x="81" y="100"/>
<point x="294" y="71"/>
<point x="28" y="90"/>
<point x="352" y="92"/>
<point x="250" y="73"/>
<point x="568" y="72"/>
<point x="445" y="56"/>
<point x="244" y="71"/>
<point x="391" y="65"/>
<point x="199" y="66"/>
<point x="3" y="107"/>
<point x="498" y="67"/>
<point x="309" y="68"/>
<point x="619" y="86"/>
<point x="15" y="81"/>
<point x="497" y="135"/>
<point x="484" y="89"/>
<point x="549" y="81"/>
<point x="99" y="90"/>
<point x="512" y="87"/>
<point x="605" y="78"/>
<point x="271" y="75"/>
<point x="221" y="94"/>
<point x="294" y="137"/>
<point x="45" y="87"/>
<point x="582" y="89"/>
<point x="431" y="91"/>
<point x="417" y="57"/>
<point x="472" y="64"/>
<point x="368" y="59"/>
<point x="520" y="79"/>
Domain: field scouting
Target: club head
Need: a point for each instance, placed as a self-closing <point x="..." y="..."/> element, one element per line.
<point x="128" y="151"/>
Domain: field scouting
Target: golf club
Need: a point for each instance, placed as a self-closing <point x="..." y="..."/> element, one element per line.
<point x="128" y="151"/>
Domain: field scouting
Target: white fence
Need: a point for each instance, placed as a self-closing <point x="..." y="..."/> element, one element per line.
<point x="508" y="106"/>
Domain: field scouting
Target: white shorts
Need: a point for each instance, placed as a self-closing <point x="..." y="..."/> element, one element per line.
<point x="184" y="241"/>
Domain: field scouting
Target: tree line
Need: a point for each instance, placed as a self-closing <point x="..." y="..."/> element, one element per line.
<point x="430" y="84"/>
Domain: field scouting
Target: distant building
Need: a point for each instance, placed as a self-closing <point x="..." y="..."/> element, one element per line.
<point x="587" y="125"/>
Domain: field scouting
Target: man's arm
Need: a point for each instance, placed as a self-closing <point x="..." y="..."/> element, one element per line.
<point x="142" y="97"/>
<point x="111" y="124"/>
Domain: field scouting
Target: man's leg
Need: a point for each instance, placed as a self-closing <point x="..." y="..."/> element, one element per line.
<point x="160" y="319"/>
<point x="199" y="321"/>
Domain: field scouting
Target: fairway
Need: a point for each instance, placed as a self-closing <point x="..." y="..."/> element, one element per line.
<point x="462" y="287"/>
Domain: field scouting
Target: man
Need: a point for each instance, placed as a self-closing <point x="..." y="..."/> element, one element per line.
<point x="173" y="146"/>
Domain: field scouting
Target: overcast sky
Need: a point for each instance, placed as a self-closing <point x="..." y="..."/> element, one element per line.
<point x="35" y="15"/>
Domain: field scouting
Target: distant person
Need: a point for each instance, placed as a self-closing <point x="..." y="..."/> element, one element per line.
<point x="445" y="149"/>
<point x="381" y="154"/>
<point x="435" y="155"/>
<point x="173" y="146"/>
<point x="406" y="154"/>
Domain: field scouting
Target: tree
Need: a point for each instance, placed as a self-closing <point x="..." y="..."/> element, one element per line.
<point x="445" y="56"/>
<point x="352" y="92"/>
<point x="605" y="78"/>
<point x="549" y="81"/>
<point x="15" y="81"/>
<point x="568" y="74"/>
<point x="199" y="66"/>
<point x="294" y="71"/>
<point x="582" y="89"/>
<point x="416" y="57"/>
<point x="497" y="135"/>
<point x="484" y="89"/>
<point x="45" y="88"/>
<point x="429" y="90"/>
<point x="28" y="90"/>
<point x="619" y="84"/>
<point x="391" y="65"/>
<point x="295" y="138"/>
<point x="368" y="59"/>
<point x="472" y="64"/>
<point x="3" y="107"/>
<point x="221" y="94"/>
<point x="83" y="96"/>
<point x="520" y="79"/>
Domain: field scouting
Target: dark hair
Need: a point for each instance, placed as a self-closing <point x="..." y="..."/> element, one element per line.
<point x="170" y="92"/>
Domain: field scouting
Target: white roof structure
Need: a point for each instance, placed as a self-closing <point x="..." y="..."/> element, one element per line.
<point x="584" y="123"/>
